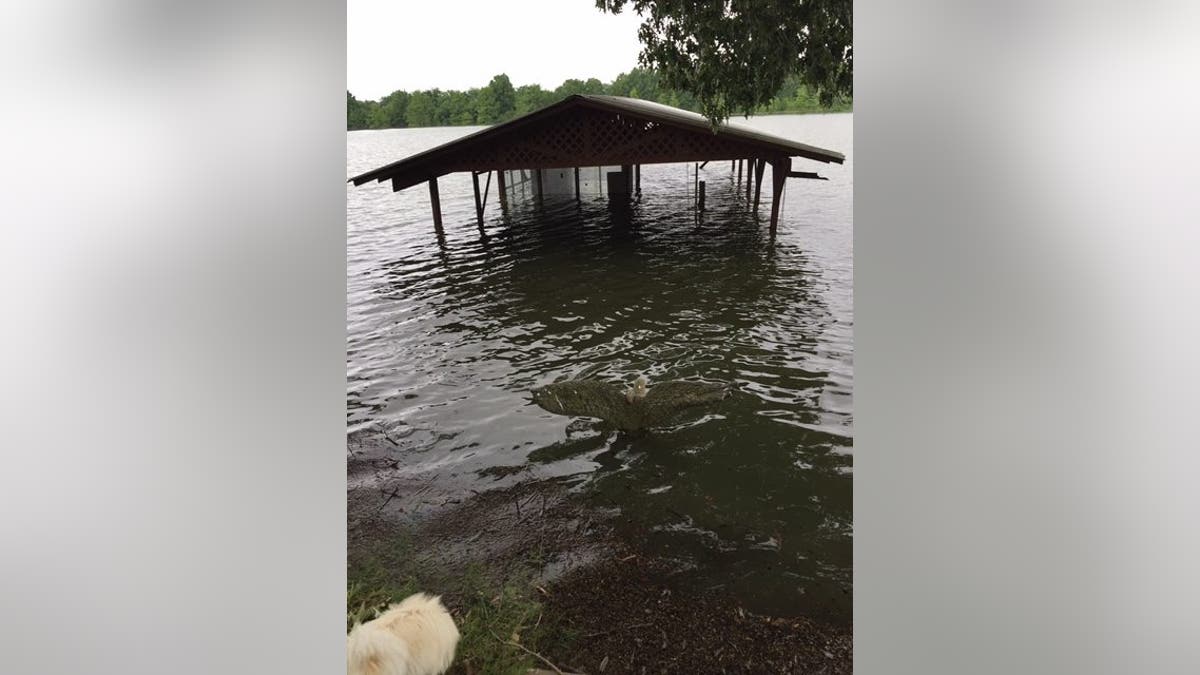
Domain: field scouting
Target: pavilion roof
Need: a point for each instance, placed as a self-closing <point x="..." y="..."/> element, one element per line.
<point x="593" y="130"/>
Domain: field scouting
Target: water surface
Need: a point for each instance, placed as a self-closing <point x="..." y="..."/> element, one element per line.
<point x="446" y="338"/>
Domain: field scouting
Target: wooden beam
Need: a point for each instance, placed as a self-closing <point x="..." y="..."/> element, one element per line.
<point x="478" y="201"/>
<point x="759" y="166"/>
<point x="502" y="189"/>
<point x="436" y="204"/>
<point x="806" y="174"/>
<point x="779" y="171"/>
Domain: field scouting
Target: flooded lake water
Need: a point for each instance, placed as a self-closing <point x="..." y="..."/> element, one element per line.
<point x="446" y="339"/>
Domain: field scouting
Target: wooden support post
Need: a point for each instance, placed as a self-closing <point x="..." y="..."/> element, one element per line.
<point x="779" y="172"/>
<point x="576" y="183"/>
<point x="739" y="178"/>
<point x="702" y="195"/>
<point x="749" y="177"/>
<point x="483" y="202"/>
<point x="617" y="183"/>
<point x="537" y="185"/>
<point x="478" y="201"/>
<point x="437" y="205"/>
<point x="759" y="167"/>
<point x="639" y="179"/>
<point x="502" y="189"/>
<point x="627" y="174"/>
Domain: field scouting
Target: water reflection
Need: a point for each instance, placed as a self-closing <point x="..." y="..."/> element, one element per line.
<point x="448" y="336"/>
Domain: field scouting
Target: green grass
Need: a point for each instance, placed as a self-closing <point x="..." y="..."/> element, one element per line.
<point x="508" y="607"/>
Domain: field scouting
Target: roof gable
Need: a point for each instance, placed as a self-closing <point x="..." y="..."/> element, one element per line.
<point x="587" y="130"/>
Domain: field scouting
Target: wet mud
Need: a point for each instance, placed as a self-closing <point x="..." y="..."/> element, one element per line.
<point x="621" y="608"/>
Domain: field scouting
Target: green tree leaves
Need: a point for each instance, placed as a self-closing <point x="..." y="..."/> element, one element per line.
<point x="532" y="97"/>
<point x="356" y="113"/>
<point x="395" y="110"/>
<point x="422" y="109"/>
<point x="735" y="55"/>
<point x="496" y="102"/>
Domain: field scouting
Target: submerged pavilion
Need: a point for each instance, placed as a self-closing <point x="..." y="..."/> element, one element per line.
<point x="587" y="130"/>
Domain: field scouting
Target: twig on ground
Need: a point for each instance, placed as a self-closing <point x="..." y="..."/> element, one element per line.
<point x="389" y="437"/>
<point x="527" y="651"/>
<point x="387" y="501"/>
<point x="614" y="630"/>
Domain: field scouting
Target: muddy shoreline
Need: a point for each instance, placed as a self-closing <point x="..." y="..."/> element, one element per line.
<point x="604" y="603"/>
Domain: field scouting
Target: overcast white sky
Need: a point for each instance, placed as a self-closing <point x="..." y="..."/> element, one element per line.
<point x="459" y="44"/>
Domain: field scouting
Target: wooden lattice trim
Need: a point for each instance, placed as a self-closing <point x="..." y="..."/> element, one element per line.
<point x="599" y="138"/>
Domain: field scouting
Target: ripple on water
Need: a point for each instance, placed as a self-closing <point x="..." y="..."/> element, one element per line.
<point x="448" y="339"/>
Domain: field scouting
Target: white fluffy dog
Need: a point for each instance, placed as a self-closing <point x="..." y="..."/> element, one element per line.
<point x="415" y="637"/>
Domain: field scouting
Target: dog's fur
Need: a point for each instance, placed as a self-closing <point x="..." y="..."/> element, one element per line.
<point x="414" y="637"/>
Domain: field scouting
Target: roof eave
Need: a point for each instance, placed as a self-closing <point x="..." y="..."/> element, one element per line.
<point x="413" y="164"/>
<point x="482" y="134"/>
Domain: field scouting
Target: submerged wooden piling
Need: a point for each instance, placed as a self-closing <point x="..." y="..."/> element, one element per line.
<point x="478" y="201"/>
<point x="436" y="204"/>
<point x="779" y="172"/>
<point x="759" y="166"/>
<point x="503" y="190"/>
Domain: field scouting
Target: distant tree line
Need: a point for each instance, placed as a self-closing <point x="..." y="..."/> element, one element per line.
<point x="499" y="101"/>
